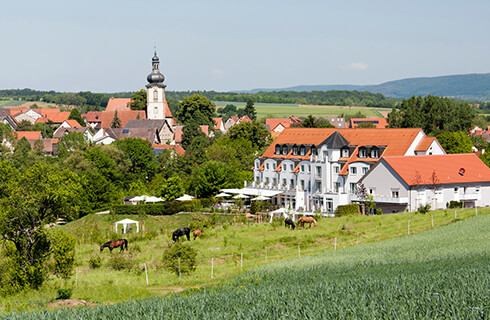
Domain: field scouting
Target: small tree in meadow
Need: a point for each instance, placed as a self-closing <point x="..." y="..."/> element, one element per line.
<point x="187" y="256"/>
<point x="63" y="251"/>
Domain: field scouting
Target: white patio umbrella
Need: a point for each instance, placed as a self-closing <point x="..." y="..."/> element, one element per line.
<point x="222" y="195"/>
<point x="153" y="199"/>
<point x="261" y="198"/>
<point x="240" y="196"/>
<point x="185" y="197"/>
<point x="138" y="198"/>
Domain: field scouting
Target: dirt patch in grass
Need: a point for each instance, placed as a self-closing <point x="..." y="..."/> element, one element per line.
<point x="70" y="303"/>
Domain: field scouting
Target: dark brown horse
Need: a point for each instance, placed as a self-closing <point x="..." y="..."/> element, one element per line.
<point x="196" y="233"/>
<point x="288" y="222"/>
<point x="303" y="220"/>
<point x="181" y="232"/>
<point x="114" y="244"/>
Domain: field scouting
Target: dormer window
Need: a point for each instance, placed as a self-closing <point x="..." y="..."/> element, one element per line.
<point x="278" y="149"/>
<point x="302" y="150"/>
<point x="313" y="151"/>
<point x="374" y="152"/>
<point x="295" y="150"/>
<point x="362" y="152"/>
<point x="284" y="150"/>
<point x="345" y="153"/>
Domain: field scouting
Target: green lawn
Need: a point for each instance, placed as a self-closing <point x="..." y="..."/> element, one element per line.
<point x="220" y="251"/>
<point x="439" y="274"/>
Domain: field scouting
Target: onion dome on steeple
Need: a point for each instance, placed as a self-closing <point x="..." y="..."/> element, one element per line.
<point x="155" y="77"/>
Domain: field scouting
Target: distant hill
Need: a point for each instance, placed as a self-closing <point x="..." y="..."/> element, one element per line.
<point x="474" y="86"/>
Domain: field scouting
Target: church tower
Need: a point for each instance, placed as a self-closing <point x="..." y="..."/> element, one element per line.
<point x="155" y="93"/>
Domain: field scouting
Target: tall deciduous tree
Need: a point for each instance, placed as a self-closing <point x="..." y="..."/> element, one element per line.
<point x="455" y="142"/>
<point x="196" y="108"/>
<point x="31" y="200"/>
<point x="138" y="151"/>
<point x="138" y="100"/>
<point x="255" y="132"/>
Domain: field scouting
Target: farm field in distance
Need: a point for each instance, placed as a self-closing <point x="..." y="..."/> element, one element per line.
<point x="439" y="274"/>
<point x="265" y="110"/>
<point x="227" y="249"/>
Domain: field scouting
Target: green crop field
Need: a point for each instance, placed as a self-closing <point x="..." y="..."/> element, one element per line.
<point x="439" y="274"/>
<point x="265" y="110"/>
<point x="228" y="247"/>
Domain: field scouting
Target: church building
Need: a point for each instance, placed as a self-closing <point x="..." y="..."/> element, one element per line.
<point x="157" y="107"/>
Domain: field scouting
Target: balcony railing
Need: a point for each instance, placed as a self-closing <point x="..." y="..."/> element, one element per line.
<point x="381" y="199"/>
<point x="468" y="196"/>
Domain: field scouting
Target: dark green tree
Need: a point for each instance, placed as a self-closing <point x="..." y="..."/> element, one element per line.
<point x="31" y="200"/>
<point x="171" y="189"/>
<point x="24" y="125"/>
<point x="138" y="100"/>
<point x="139" y="152"/>
<point x="455" y="142"/>
<point x="211" y="177"/>
<point x="70" y="142"/>
<point x="116" y="122"/>
<point x="190" y="131"/>
<point x="197" y="109"/>
<point x="250" y="110"/>
<point x="255" y="132"/>
<point x="75" y="115"/>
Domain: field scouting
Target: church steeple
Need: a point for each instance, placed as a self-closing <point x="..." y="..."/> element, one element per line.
<point x="155" y="92"/>
<point x="155" y="77"/>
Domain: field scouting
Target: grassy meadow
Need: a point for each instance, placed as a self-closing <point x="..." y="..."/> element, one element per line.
<point x="439" y="274"/>
<point x="229" y="247"/>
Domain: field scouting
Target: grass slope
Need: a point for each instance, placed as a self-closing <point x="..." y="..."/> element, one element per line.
<point x="438" y="274"/>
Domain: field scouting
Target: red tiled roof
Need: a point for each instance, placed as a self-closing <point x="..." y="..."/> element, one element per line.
<point x="447" y="168"/>
<point x="205" y="129"/>
<point x="378" y="122"/>
<point x="47" y="111"/>
<point x="274" y="122"/>
<point x="168" y="114"/>
<point x="178" y="134"/>
<point x="92" y="116"/>
<point x="47" y="144"/>
<point x="245" y="118"/>
<point x="73" y="123"/>
<point x="124" y="116"/>
<point x="119" y="104"/>
<point x="425" y="143"/>
<point x="218" y="122"/>
<point x="397" y="141"/>
<point x="29" y="135"/>
<point x="16" y="109"/>
<point x="57" y="117"/>
<point x="177" y="147"/>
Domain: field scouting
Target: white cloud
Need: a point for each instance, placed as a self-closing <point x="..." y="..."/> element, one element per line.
<point x="360" y="66"/>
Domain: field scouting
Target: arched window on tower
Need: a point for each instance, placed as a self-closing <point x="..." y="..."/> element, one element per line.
<point x="155" y="95"/>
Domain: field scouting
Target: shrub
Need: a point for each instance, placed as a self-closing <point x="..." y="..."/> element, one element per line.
<point x="63" y="248"/>
<point x="455" y="204"/>
<point x="95" y="261"/>
<point x="64" y="293"/>
<point x="121" y="262"/>
<point x="424" y="209"/>
<point x="379" y="211"/>
<point x="348" y="209"/>
<point x="187" y="256"/>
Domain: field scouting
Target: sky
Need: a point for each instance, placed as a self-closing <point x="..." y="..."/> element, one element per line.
<point x="226" y="45"/>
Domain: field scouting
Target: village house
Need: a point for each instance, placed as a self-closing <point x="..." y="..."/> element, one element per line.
<point x="317" y="169"/>
<point x="408" y="183"/>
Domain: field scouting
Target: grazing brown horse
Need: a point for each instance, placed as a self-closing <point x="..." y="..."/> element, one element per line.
<point x="114" y="244"/>
<point x="303" y="220"/>
<point x="196" y="233"/>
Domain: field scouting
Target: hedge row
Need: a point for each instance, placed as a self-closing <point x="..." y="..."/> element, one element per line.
<point x="161" y="209"/>
<point x="346" y="210"/>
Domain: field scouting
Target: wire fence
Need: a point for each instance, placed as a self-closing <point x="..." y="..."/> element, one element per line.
<point x="233" y="264"/>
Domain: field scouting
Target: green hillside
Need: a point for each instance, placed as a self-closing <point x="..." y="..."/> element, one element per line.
<point x="465" y="86"/>
<point x="442" y="273"/>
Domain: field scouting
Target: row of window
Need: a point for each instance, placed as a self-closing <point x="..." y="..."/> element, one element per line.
<point x="297" y="150"/>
